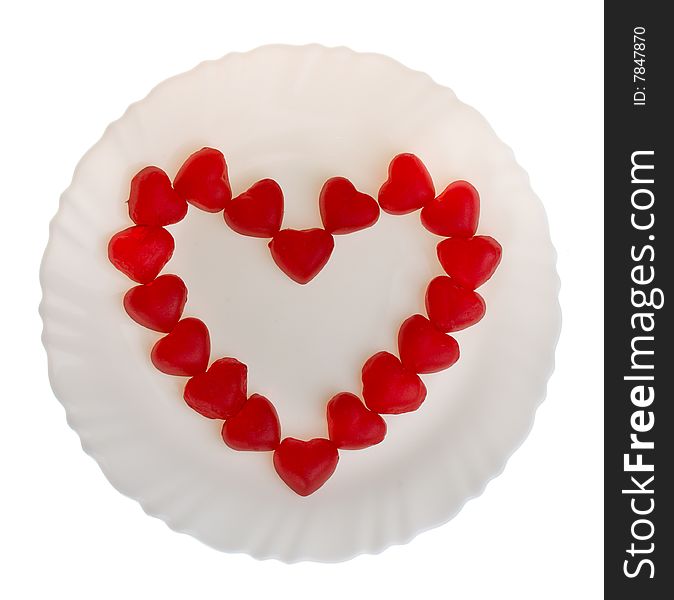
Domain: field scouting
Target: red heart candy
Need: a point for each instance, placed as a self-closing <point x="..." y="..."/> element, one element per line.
<point x="351" y="425"/>
<point x="424" y="349"/>
<point x="140" y="252"/>
<point x="203" y="180"/>
<point x="254" y="427"/>
<point x="470" y="262"/>
<point x="152" y="199"/>
<point x="184" y="351"/>
<point x="305" y="466"/>
<point x="451" y="307"/>
<point x="344" y="209"/>
<point x="257" y="212"/>
<point x="408" y="187"/>
<point x="390" y="388"/>
<point x="219" y="392"/>
<point x="157" y="305"/>
<point x="455" y="212"/>
<point x="301" y="254"/>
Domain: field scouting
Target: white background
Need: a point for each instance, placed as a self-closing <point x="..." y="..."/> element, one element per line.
<point x="534" y="69"/>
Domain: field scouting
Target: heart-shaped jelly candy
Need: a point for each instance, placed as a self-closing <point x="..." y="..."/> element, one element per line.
<point x="255" y="427"/>
<point x="451" y="307"/>
<point x="140" y="252"/>
<point x="157" y="305"/>
<point x="470" y="261"/>
<point x="351" y="425"/>
<point x="344" y="209"/>
<point x="203" y="180"/>
<point x="424" y="349"/>
<point x="455" y="212"/>
<point x="389" y="387"/>
<point x="152" y="199"/>
<point x="301" y="254"/>
<point x="257" y="212"/>
<point x="409" y="186"/>
<point x="219" y="392"/>
<point x="305" y="466"/>
<point x="185" y="351"/>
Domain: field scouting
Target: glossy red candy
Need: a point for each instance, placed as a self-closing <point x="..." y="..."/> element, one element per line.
<point x="390" y="388"/>
<point x="301" y="254"/>
<point x="390" y="385"/>
<point x="152" y="199"/>
<point x="203" y="180"/>
<point x="140" y="252"/>
<point x="219" y="392"/>
<point x="424" y="349"/>
<point x="157" y="305"/>
<point x="184" y="351"/>
<point x="305" y="466"/>
<point x="254" y="427"/>
<point x="454" y="213"/>
<point x="470" y="261"/>
<point x="409" y="186"/>
<point x="351" y="425"/>
<point x="451" y="307"/>
<point x="344" y="209"/>
<point x="257" y="212"/>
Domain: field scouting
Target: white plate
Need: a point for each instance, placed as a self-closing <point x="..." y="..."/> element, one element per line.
<point x="299" y="115"/>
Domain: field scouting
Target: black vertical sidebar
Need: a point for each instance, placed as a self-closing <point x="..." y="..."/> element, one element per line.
<point x="639" y="337"/>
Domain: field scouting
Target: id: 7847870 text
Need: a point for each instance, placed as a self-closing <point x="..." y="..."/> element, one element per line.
<point x="639" y="69"/>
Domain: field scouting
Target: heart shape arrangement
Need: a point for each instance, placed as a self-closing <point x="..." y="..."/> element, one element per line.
<point x="391" y="384"/>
